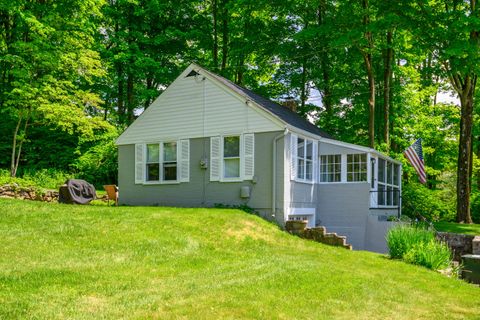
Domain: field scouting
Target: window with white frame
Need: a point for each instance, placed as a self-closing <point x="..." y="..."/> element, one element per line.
<point x="231" y="157"/>
<point x="357" y="167"/>
<point x="304" y="159"/>
<point x="388" y="183"/>
<point x="331" y="168"/>
<point x="164" y="166"/>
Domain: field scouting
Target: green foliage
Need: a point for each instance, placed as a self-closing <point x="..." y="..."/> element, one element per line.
<point x="98" y="165"/>
<point x="242" y="207"/>
<point x="402" y="238"/>
<point x="39" y="179"/>
<point x="432" y="255"/>
<point x="419" y="201"/>
<point x="417" y="245"/>
<point x="475" y="207"/>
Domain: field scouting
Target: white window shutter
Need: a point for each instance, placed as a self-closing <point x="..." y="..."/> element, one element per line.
<point x="293" y="156"/>
<point x="249" y="156"/>
<point x="139" y="163"/>
<point x="184" y="160"/>
<point x="315" y="161"/>
<point x="215" y="158"/>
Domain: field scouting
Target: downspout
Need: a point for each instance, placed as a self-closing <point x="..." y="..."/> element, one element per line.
<point x="274" y="172"/>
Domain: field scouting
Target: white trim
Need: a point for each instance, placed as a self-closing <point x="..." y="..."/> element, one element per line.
<point x="302" y="211"/>
<point x="160" y="163"/>
<point x="307" y="212"/>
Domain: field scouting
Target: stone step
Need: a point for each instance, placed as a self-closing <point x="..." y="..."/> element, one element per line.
<point x="318" y="234"/>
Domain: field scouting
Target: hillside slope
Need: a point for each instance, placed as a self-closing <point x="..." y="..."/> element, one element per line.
<point x="85" y="262"/>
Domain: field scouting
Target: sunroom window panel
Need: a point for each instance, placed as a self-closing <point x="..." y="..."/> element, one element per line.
<point x="396" y="175"/>
<point x="330" y="168"/>
<point x="309" y="150"/>
<point x="301" y="168"/>
<point x="389" y="172"/>
<point x="356" y="167"/>
<point x="381" y="170"/>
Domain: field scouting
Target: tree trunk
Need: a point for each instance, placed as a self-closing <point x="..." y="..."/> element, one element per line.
<point x="367" y="57"/>
<point x="303" y="89"/>
<point x="325" y="68"/>
<point x="224" y="35"/>
<point x="120" y="95"/>
<point x="387" y="76"/>
<point x="13" y="168"/>
<point x="130" y="100"/>
<point x="464" y="156"/>
<point x="478" y="157"/>
<point x="215" y="34"/>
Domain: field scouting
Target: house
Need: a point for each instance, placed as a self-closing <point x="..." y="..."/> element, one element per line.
<point x="205" y="141"/>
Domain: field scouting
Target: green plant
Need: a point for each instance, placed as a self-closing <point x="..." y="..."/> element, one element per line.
<point x="433" y="205"/>
<point x="38" y="179"/>
<point x="433" y="254"/>
<point x="242" y="207"/>
<point x="403" y="238"/>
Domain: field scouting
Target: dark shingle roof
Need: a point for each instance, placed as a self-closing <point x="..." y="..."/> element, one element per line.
<point x="274" y="108"/>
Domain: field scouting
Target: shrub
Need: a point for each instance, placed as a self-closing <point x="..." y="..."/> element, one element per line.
<point x="434" y="205"/>
<point x="43" y="179"/>
<point x="98" y="165"/>
<point x="416" y="244"/>
<point x="403" y="238"/>
<point x="475" y="207"/>
<point x="434" y="255"/>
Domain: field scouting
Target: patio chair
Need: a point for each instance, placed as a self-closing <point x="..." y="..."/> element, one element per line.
<point x="112" y="193"/>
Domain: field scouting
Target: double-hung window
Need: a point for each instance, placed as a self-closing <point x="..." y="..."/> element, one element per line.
<point x="304" y="159"/>
<point x="388" y="183"/>
<point x="330" y="168"/>
<point x="357" y="167"/>
<point x="231" y="157"/>
<point x="161" y="162"/>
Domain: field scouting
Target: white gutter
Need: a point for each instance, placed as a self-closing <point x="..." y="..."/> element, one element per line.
<point x="274" y="170"/>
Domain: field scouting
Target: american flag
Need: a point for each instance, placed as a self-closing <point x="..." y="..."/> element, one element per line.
<point x="414" y="154"/>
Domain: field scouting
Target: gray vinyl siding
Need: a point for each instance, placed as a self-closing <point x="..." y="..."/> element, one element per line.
<point x="328" y="148"/>
<point x="195" y="108"/>
<point x="343" y="208"/>
<point x="200" y="192"/>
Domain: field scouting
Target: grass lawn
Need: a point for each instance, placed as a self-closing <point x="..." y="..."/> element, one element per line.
<point x="85" y="262"/>
<point x="473" y="229"/>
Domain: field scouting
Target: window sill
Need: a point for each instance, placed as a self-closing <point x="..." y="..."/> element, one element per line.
<point x="304" y="181"/>
<point x="148" y="183"/>
<point x="344" y="182"/>
<point x="231" y="180"/>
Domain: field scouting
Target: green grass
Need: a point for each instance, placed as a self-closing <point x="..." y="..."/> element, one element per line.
<point x="98" y="262"/>
<point x="473" y="229"/>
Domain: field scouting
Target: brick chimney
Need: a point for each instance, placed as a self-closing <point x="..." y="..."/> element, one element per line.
<point x="290" y="103"/>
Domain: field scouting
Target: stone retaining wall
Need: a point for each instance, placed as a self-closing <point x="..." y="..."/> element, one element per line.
<point x="14" y="191"/>
<point x="460" y="244"/>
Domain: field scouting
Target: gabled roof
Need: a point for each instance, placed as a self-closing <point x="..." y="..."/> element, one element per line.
<point x="283" y="113"/>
